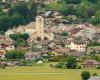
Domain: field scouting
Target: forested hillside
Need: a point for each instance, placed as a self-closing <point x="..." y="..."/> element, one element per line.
<point x="84" y="10"/>
<point x="13" y="15"/>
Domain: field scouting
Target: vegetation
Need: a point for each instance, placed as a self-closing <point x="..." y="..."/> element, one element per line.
<point x="64" y="34"/>
<point x="95" y="74"/>
<point x="84" y="10"/>
<point x="20" y="39"/>
<point x="94" y="44"/>
<point x="61" y="64"/>
<point x="98" y="67"/>
<point x="18" y="14"/>
<point x="85" y="75"/>
<point x="49" y="73"/>
<point x="23" y="13"/>
<point x="18" y="36"/>
<point x="71" y="62"/>
<point x="72" y="1"/>
<point x="15" y="55"/>
<point x="21" y="43"/>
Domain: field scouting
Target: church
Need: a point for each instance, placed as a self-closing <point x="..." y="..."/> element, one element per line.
<point x="34" y="29"/>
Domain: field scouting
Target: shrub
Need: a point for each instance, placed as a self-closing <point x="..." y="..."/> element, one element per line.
<point x="85" y="75"/>
<point x="71" y="62"/>
<point x="94" y="74"/>
<point x="78" y="67"/>
<point x="98" y="67"/>
<point x="60" y="65"/>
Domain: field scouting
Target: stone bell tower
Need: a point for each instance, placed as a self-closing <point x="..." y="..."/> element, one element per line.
<point x="40" y="26"/>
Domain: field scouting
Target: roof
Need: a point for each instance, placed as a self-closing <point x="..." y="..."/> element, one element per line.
<point x="31" y="25"/>
<point x="5" y="40"/>
<point x="89" y="62"/>
<point x="75" y="30"/>
<point x="2" y="52"/>
<point x="44" y="42"/>
<point x="77" y="41"/>
<point x="97" y="48"/>
<point x="61" y="50"/>
<point x="52" y="14"/>
<point x="47" y="13"/>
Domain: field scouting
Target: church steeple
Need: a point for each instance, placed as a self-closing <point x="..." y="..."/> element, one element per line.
<point x="40" y="27"/>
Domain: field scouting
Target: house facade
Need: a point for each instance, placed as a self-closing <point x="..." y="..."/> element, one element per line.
<point x="90" y="64"/>
<point x="6" y="43"/>
<point x="81" y="47"/>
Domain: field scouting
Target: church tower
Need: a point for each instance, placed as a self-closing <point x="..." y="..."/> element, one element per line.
<point x="40" y="26"/>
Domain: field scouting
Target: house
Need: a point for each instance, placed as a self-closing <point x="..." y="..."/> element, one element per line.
<point x="49" y="1"/>
<point x="6" y="43"/>
<point x="53" y="14"/>
<point x="90" y="64"/>
<point x="8" y="1"/>
<point x="73" y="17"/>
<point x="76" y="53"/>
<point x="3" y="1"/>
<point x="10" y="47"/>
<point x="61" y="51"/>
<point x="2" y="54"/>
<point x="74" y="31"/>
<point x="95" y="49"/>
<point x="33" y="55"/>
<point x="86" y="30"/>
<point x="96" y="37"/>
<point x="77" y="45"/>
<point x="9" y="32"/>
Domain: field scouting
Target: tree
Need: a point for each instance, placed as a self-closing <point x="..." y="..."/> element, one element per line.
<point x="15" y="55"/>
<point x="90" y="11"/>
<point x="25" y="36"/>
<point x="16" y="36"/>
<point x="93" y="1"/>
<point x="21" y="8"/>
<point x="62" y="44"/>
<point x="17" y="19"/>
<point x="95" y="74"/>
<point x="71" y="62"/>
<point x="96" y="19"/>
<point x="55" y="6"/>
<point x="60" y="65"/>
<point x="20" y="39"/>
<point x="97" y="16"/>
<point x="64" y="33"/>
<point x="72" y="1"/>
<point x="21" y="43"/>
<point x="81" y="11"/>
<point x="64" y="11"/>
<point x="85" y="75"/>
<point x="33" y="11"/>
<point x="2" y="33"/>
<point x="5" y="23"/>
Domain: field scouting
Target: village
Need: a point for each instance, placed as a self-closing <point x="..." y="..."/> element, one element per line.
<point x="51" y="38"/>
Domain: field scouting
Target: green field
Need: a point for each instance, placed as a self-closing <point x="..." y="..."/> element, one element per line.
<point x="42" y="73"/>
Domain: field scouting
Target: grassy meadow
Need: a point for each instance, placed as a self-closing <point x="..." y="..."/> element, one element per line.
<point x="44" y="72"/>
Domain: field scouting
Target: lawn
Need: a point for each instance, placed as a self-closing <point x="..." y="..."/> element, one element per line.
<point x="42" y="73"/>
